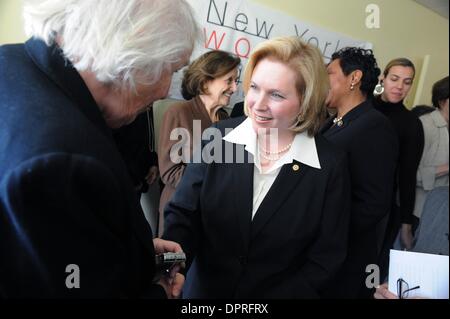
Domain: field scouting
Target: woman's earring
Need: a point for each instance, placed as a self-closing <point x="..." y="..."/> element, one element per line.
<point x="352" y="87"/>
<point x="379" y="88"/>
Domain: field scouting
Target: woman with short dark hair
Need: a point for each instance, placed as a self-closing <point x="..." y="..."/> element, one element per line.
<point x="371" y="146"/>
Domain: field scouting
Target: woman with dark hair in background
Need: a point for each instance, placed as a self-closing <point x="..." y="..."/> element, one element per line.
<point x="207" y="85"/>
<point x="371" y="145"/>
<point x="397" y="80"/>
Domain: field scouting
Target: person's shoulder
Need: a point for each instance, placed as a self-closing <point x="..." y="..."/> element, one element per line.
<point x="179" y="110"/>
<point x="377" y="121"/>
<point x="230" y="123"/>
<point x="179" y="106"/>
<point x="413" y="122"/>
<point x="329" y="154"/>
<point x="10" y="52"/>
<point x="409" y="117"/>
<point x="426" y="119"/>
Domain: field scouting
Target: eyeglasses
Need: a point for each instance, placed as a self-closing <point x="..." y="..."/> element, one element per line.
<point x="403" y="289"/>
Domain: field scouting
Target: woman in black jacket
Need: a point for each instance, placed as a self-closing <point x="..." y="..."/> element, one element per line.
<point x="396" y="83"/>
<point x="371" y="145"/>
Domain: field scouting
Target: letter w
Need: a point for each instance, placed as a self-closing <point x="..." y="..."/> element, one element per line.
<point x="263" y="26"/>
<point x="213" y="35"/>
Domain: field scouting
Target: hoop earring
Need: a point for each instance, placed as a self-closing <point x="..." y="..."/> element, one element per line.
<point x="379" y="88"/>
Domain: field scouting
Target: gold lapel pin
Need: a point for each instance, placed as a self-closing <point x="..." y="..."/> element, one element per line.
<point x="295" y="167"/>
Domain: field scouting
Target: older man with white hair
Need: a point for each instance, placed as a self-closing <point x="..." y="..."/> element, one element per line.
<point x="70" y="221"/>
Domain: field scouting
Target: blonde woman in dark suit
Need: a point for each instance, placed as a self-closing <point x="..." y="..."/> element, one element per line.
<point x="268" y="217"/>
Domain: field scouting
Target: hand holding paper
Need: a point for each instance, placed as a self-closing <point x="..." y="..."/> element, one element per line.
<point x="418" y="275"/>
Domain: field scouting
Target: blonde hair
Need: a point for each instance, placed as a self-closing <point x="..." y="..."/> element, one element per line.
<point x="312" y="79"/>
<point x="123" y="42"/>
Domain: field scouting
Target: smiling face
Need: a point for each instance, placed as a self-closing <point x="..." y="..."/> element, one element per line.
<point x="220" y="89"/>
<point x="397" y="83"/>
<point x="272" y="98"/>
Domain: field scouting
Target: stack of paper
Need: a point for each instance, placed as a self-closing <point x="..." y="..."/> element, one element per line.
<point x="430" y="272"/>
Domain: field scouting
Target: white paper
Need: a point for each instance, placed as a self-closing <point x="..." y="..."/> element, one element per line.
<point x="430" y="272"/>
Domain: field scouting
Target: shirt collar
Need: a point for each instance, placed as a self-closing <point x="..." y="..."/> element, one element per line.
<point x="438" y="119"/>
<point x="303" y="147"/>
<point x="50" y="60"/>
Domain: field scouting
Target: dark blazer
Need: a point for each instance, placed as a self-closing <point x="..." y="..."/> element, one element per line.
<point x="65" y="193"/>
<point x="137" y="147"/>
<point x="294" y="244"/>
<point x="238" y="110"/>
<point x="180" y="115"/>
<point x="371" y="145"/>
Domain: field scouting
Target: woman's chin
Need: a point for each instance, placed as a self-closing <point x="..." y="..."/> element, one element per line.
<point x="262" y="127"/>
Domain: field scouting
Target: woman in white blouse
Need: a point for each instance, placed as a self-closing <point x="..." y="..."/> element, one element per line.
<point x="433" y="167"/>
<point x="265" y="214"/>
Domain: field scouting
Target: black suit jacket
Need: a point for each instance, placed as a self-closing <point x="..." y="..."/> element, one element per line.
<point x="295" y="243"/>
<point x="372" y="149"/>
<point x="65" y="194"/>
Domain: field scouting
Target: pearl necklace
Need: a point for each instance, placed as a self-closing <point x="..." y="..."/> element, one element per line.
<point x="284" y="149"/>
<point x="273" y="156"/>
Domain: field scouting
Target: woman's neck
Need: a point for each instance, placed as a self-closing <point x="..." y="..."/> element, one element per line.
<point x="349" y="104"/>
<point x="272" y="148"/>
<point x="211" y="107"/>
<point x="276" y="143"/>
<point x="444" y="114"/>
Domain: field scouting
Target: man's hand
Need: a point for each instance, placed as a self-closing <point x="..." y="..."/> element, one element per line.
<point x="172" y="286"/>
<point x="406" y="236"/>
<point x="382" y="292"/>
<point x="173" y="281"/>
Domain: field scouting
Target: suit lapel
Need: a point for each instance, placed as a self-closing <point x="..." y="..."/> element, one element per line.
<point x="243" y="182"/>
<point x="286" y="181"/>
<point x="331" y="129"/>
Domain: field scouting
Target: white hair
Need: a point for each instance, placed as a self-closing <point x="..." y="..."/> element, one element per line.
<point x="124" y="42"/>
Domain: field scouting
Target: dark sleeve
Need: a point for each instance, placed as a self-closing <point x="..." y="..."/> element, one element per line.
<point x="135" y="142"/>
<point x="238" y="110"/>
<point x="373" y="160"/>
<point x="411" y="148"/>
<point x="59" y="210"/>
<point x="329" y="250"/>
<point x="182" y="222"/>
